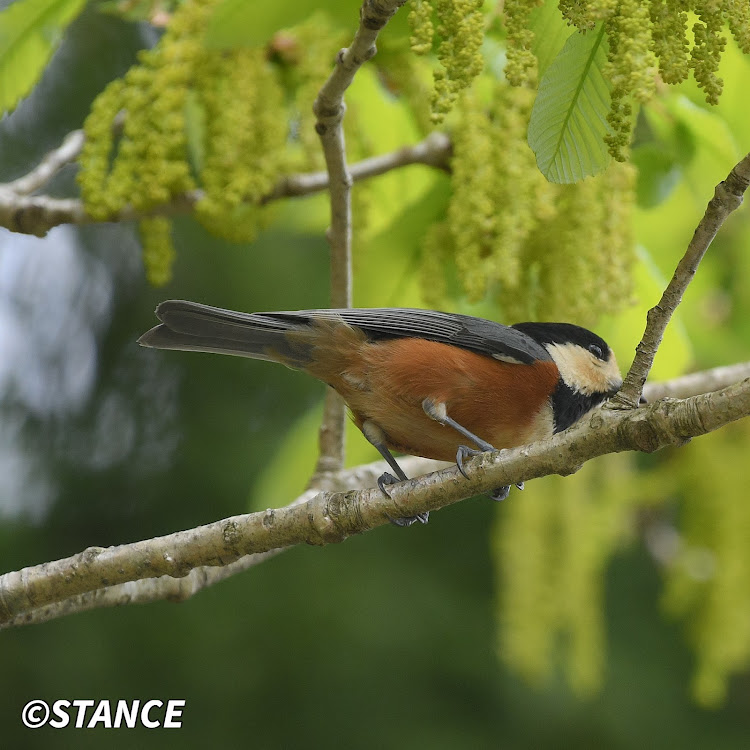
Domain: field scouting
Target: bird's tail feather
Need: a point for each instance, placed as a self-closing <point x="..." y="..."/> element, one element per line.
<point x="190" y="326"/>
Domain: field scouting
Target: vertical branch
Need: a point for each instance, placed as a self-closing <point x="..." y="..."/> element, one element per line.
<point x="329" y="109"/>
<point x="727" y="197"/>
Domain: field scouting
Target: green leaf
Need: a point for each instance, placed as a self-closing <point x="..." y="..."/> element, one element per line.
<point x="568" y="122"/>
<point x="550" y="34"/>
<point x="658" y="173"/>
<point x="239" y="23"/>
<point x="195" y="132"/>
<point x="30" y="31"/>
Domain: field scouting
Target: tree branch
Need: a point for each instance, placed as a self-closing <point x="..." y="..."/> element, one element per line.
<point x="165" y="587"/>
<point x="37" y="214"/>
<point x="146" y="590"/>
<point x="434" y="151"/>
<point x="727" y="197"/>
<point x="697" y="382"/>
<point x="331" y="516"/>
<point x="329" y="109"/>
<point x="50" y="165"/>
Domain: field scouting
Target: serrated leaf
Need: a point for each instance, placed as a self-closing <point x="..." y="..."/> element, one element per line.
<point x="568" y="121"/>
<point x="30" y="31"/>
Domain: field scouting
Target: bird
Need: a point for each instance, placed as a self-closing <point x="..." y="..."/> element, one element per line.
<point x="422" y="382"/>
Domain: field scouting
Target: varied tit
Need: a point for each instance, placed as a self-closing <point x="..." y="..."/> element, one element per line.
<point x="418" y="381"/>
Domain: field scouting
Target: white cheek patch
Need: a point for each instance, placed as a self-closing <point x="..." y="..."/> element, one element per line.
<point x="582" y="371"/>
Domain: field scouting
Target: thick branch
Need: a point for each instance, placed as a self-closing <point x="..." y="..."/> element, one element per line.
<point x="360" y="477"/>
<point x="331" y="517"/>
<point x="146" y="590"/>
<point x="727" y="197"/>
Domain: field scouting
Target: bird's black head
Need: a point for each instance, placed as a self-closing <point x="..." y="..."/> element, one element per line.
<point x="588" y="369"/>
<point x="566" y="333"/>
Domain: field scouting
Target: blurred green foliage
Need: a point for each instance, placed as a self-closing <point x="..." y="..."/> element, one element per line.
<point x="584" y="612"/>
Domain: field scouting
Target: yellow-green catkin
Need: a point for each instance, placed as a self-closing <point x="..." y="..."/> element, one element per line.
<point x="497" y="190"/>
<point x="543" y="251"/>
<point x="422" y="28"/>
<point x="738" y="18"/>
<point x="242" y="100"/>
<point x="520" y="67"/>
<point x="158" y="250"/>
<point x="192" y="118"/>
<point x="582" y="257"/>
<point x="550" y="556"/>
<point x="460" y="28"/>
<point x="631" y="69"/>
<point x="708" y="580"/>
<point x="645" y="40"/>
<point x="146" y="164"/>
<point x="585" y="15"/>
<point x="669" y="31"/>
<point x="709" y="44"/>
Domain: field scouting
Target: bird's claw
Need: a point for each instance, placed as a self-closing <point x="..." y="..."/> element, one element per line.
<point x="387" y="478"/>
<point x="499" y="494"/>
<point x="465" y="452"/>
<point x="409" y="520"/>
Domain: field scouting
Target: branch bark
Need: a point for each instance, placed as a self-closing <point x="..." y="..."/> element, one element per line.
<point x="37" y="214"/>
<point x="50" y="165"/>
<point x="332" y="516"/>
<point x="146" y="590"/>
<point x="727" y="197"/>
<point x="329" y="109"/>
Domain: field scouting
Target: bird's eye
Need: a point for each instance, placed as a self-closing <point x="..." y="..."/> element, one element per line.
<point x="596" y="350"/>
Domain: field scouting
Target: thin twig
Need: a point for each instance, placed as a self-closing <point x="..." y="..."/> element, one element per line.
<point x="727" y="197"/>
<point x="329" y="109"/>
<point x="37" y="214"/>
<point x="434" y="151"/>
<point x="144" y="591"/>
<point x="50" y="165"/>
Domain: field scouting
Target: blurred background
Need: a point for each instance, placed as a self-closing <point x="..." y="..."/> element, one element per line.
<point x="610" y="609"/>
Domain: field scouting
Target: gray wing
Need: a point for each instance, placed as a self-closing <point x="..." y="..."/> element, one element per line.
<point x="475" y="334"/>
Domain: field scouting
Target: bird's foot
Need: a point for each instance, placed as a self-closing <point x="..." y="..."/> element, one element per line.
<point x="409" y="520"/>
<point x="462" y="454"/>
<point x="465" y="452"/>
<point x="386" y="479"/>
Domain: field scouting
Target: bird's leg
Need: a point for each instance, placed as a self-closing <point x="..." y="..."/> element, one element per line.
<point x="439" y="413"/>
<point x="376" y="437"/>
